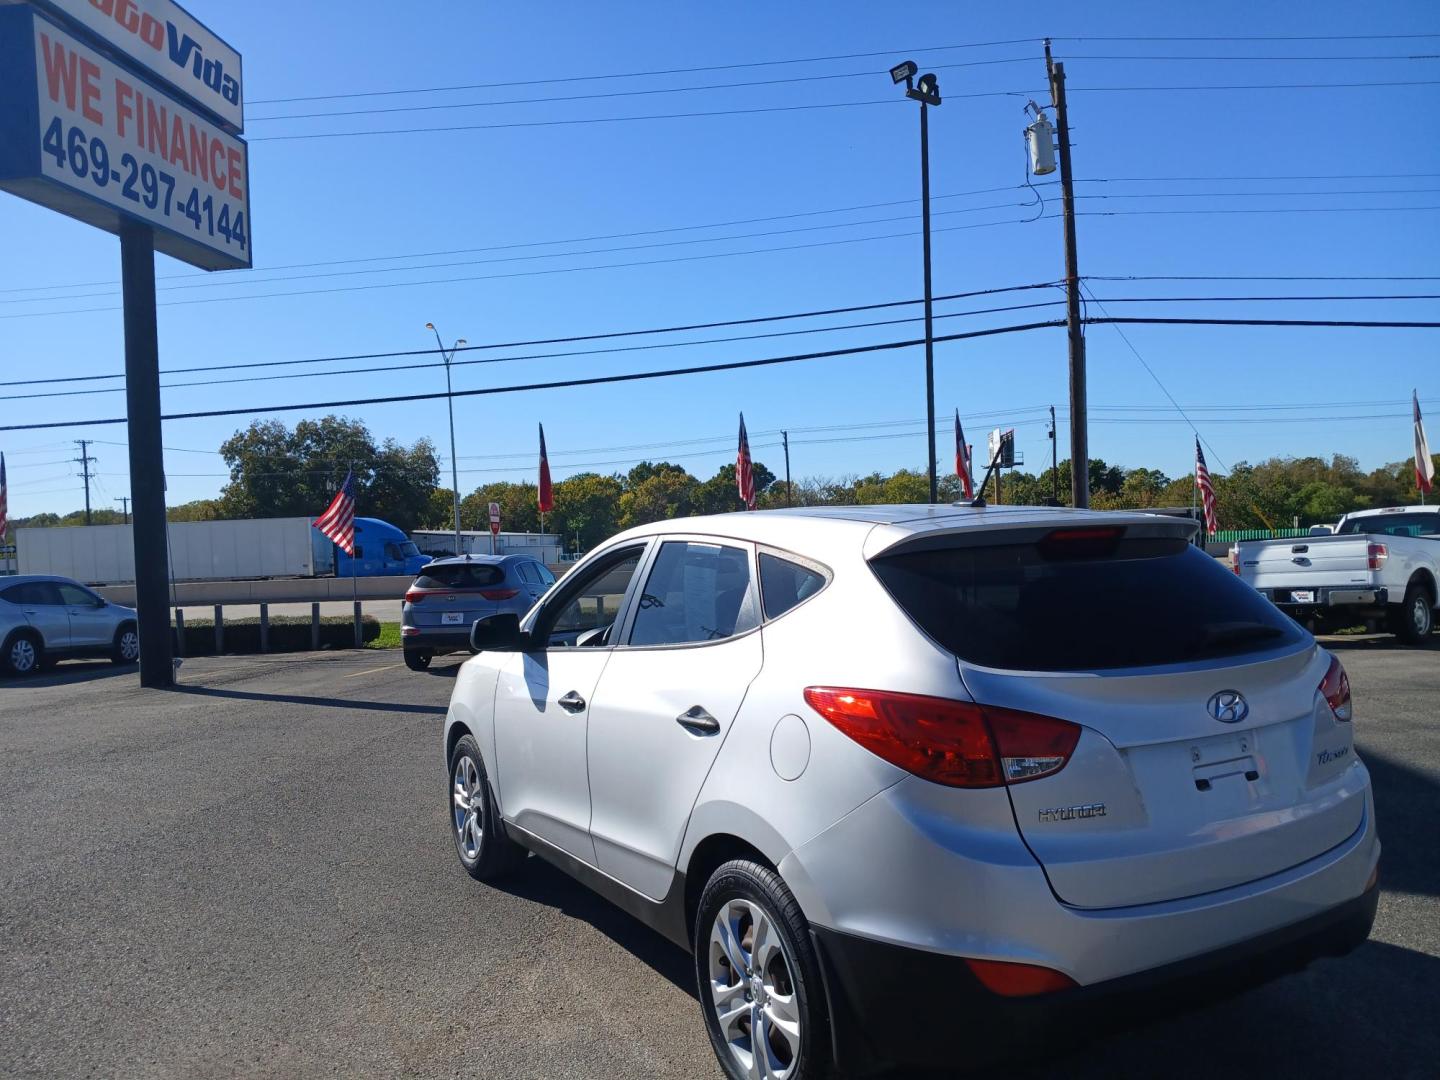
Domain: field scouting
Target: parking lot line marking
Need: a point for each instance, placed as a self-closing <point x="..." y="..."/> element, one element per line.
<point x="369" y="671"/>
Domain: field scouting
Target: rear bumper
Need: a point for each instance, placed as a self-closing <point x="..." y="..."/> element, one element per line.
<point x="929" y="1007"/>
<point x="434" y="639"/>
<point x="1328" y="596"/>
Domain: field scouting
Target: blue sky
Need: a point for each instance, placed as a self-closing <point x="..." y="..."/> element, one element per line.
<point x="373" y="198"/>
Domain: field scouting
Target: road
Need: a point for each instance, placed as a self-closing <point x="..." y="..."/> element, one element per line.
<point x="251" y="876"/>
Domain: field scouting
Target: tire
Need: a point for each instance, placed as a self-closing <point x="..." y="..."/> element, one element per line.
<point x="1413" y="620"/>
<point x="783" y="993"/>
<point x="485" y="851"/>
<point x="22" y="654"/>
<point x="126" y="647"/>
<point x="418" y="659"/>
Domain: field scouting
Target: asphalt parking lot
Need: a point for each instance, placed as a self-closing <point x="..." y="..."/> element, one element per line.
<point x="251" y="876"/>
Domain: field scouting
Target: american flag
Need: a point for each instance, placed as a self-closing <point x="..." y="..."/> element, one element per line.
<point x="744" y="474"/>
<point x="1424" y="466"/>
<point x="338" y="520"/>
<point x="547" y="495"/>
<point x="962" y="460"/>
<point x="4" y="500"/>
<point x="1207" y="489"/>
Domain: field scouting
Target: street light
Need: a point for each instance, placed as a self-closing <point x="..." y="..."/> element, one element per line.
<point x="927" y="93"/>
<point x="450" y="404"/>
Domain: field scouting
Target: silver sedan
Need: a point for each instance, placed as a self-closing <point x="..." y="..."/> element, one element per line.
<point x="45" y="619"/>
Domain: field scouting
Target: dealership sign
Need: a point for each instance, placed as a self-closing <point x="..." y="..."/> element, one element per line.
<point x="168" y="43"/>
<point x="82" y="135"/>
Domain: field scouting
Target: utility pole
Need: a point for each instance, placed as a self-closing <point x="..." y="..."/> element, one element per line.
<point x="789" y="493"/>
<point x="85" y="461"/>
<point x="124" y="501"/>
<point x="1054" y="463"/>
<point x="1079" y="415"/>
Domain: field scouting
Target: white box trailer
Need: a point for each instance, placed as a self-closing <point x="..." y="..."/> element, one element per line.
<point x="441" y="542"/>
<point x="199" y="551"/>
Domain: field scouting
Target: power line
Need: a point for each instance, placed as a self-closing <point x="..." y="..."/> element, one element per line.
<point x="818" y="105"/>
<point x="527" y="80"/>
<point x="411" y="368"/>
<point x="713" y="225"/>
<point x="708" y="368"/>
<point x="539" y="356"/>
<point x="1261" y="210"/>
<point x="606" y="336"/>
<point x="594" y="380"/>
<point x="532" y="273"/>
<point x="221" y="282"/>
<point x="789" y="80"/>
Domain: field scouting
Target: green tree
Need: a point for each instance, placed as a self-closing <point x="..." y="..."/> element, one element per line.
<point x="668" y="493"/>
<point x="197" y="510"/>
<point x="279" y="472"/>
<point x="721" y="495"/>
<point x="519" y="506"/>
<point x="587" y="507"/>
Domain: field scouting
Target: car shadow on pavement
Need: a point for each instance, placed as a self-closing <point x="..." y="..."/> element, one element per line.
<point x="74" y="671"/>
<point x="1405" y="802"/>
<point x="304" y="699"/>
<point x="536" y="880"/>
<point x="1370" y="1013"/>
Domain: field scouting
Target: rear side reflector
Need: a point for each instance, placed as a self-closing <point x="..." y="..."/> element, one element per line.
<point x="1336" y="689"/>
<point x="499" y="594"/>
<point x="1019" y="980"/>
<point x="956" y="743"/>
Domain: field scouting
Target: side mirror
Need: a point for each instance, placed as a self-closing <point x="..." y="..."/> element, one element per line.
<point x="498" y="633"/>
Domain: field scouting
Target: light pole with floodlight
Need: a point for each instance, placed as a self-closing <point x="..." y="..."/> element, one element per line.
<point x="450" y="404"/>
<point x="927" y="93"/>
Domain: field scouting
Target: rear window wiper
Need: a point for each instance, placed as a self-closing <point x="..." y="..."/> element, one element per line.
<point x="1233" y="633"/>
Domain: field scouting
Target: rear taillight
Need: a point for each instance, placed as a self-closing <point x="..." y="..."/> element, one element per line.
<point x="956" y="743"/>
<point x="499" y="594"/>
<point x="1336" y="689"/>
<point x="1235" y="560"/>
<point x="413" y="596"/>
<point x="1375" y="555"/>
<point x="1019" y="980"/>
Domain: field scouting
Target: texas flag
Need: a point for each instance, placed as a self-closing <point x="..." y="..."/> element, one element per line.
<point x="1424" y="464"/>
<point x="547" y="495"/>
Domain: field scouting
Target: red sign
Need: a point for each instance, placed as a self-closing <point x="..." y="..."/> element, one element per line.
<point x="495" y="519"/>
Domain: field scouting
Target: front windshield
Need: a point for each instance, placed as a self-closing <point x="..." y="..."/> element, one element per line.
<point x="408" y="549"/>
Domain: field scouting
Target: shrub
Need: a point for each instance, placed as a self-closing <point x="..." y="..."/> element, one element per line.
<point x="288" y="633"/>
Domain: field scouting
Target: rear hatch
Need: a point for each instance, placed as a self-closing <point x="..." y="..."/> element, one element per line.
<point x="1278" y="566"/>
<point x="1207" y="756"/>
<point x="454" y="595"/>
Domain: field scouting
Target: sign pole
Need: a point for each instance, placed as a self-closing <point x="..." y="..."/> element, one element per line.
<point x="147" y="459"/>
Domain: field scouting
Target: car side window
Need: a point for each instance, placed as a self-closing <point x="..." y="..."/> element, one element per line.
<point x="528" y="574"/>
<point x="36" y="592"/>
<point x="16" y="594"/>
<point x="74" y="596"/>
<point x="784" y="583"/>
<point x="546" y="577"/>
<point x="392" y="550"/>
<point x="589" y="607"/>
<point x="696" y="592"/>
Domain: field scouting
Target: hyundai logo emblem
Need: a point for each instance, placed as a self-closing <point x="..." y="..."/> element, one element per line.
<point x="1228" y="706"/>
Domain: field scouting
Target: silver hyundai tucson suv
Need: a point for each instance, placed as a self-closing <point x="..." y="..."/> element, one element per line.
<point x="891" y="772"/>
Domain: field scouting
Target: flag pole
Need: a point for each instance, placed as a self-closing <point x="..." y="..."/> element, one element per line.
<point x="355" y="569"/>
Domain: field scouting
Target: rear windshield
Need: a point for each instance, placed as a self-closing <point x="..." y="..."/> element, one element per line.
<point x="1393" y="525"/>
<point x="1057" y="607"/>
<point x="460" y="576"/>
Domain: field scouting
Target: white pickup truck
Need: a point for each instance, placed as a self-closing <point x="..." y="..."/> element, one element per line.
<point x="1378" y="567"/>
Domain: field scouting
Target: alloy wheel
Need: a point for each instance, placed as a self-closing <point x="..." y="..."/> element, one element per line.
<point x="130" y="646"/>
<point x="467" y="807"/>
<point x="752" y="988"/>
<point x="22" y="656"/>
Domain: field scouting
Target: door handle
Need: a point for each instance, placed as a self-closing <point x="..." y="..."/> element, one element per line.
<point x="697" y="721"/>
<point x="572" y="702"/>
